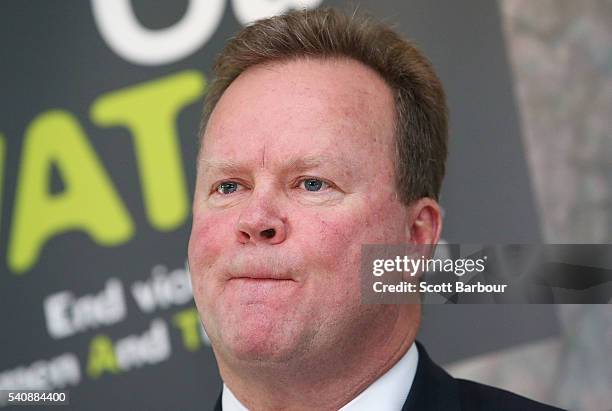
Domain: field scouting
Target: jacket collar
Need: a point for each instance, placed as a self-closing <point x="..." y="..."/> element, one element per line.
<point x="432" y="388"/>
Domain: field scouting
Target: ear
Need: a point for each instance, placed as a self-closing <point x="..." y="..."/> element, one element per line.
<point x="424" y="223"/>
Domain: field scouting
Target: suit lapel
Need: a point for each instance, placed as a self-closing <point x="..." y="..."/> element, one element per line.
<point x="432" y="388"/>
<point x="218" y="404"/>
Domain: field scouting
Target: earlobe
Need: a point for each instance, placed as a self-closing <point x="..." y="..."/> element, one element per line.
<point x="424" y="223"/>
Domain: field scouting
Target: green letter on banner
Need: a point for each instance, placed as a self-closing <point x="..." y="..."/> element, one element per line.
<point x="89" y="201"/>
<point x="149" y="111"/>
<point x="102" y="357"/>
<point x="188" y="321"/>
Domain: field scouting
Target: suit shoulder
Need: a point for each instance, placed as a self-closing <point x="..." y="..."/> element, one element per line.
<point x="476" y="396"/>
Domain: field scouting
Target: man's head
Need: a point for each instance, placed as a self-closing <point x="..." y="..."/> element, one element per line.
<point x="321" y="133"/>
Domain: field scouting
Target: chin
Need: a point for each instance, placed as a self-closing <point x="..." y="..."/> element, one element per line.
<point x="259" y="351"/>
<point x="250" y="342"/>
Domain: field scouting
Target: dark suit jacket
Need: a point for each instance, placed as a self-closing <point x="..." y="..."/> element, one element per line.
<point x="434" y="389"/>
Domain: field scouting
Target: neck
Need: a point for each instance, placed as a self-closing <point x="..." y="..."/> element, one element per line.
<point x="329" y="379"/>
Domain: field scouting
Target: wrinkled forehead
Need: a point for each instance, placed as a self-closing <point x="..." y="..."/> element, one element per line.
<point x="306" y="107"/>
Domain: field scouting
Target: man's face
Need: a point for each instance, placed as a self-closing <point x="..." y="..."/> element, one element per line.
<point x="295" y="174"/>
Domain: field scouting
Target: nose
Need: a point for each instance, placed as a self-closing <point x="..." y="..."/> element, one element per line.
<point x="261" y="222"/>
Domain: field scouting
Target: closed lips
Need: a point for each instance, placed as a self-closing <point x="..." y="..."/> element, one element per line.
<point x="261" y="277"/>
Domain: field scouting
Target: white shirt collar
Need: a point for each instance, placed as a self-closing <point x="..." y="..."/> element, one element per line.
<point x="229" y="402"/>
<point x="387" y="393"/>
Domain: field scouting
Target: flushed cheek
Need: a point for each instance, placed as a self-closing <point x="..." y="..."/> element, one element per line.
<point x="384" y="221"/>
<point x="371" y="223"/>
<point x="210" y="234"/>
<point x="333" y="240"/>
<point x="209" y="241"/>
<point x="331" y="245"/>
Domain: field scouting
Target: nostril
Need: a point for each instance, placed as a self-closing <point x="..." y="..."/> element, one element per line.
<point x="269" y="233"/>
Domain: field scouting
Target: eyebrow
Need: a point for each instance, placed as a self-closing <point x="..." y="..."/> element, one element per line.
<point x="223" y="166"/>
<point x="295" y="164"/>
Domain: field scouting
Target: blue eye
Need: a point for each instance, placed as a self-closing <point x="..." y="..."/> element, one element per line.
<point x="313" y="184"/>
<point x="227" y="187"/>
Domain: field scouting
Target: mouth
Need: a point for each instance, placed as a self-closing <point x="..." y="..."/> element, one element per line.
<point x="261" y="277"/>
<point x="262" y="280"/>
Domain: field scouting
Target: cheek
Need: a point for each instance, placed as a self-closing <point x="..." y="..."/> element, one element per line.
<point x="202" y="242"/>
<point x="331" y="243"/>
<point x="371" y="223"/>
<point x="210" y="235"/>
<point x="333" y="240"/>
<point x="384" y="222"/>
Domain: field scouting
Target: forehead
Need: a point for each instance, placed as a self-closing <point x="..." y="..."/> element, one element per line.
<point x="301" y="106"/>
